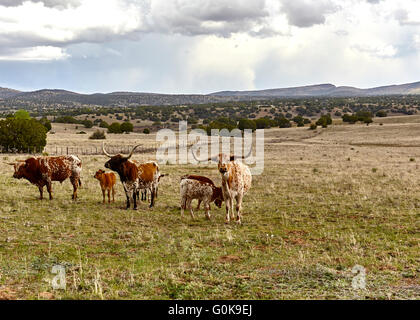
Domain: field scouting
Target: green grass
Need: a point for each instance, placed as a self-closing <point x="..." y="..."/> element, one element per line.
<point x="303" y="230"/>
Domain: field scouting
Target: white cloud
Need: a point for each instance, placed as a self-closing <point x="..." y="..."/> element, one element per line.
<point x="39" y="53"/>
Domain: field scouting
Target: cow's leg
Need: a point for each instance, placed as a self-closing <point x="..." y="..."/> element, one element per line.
<point x="198" y="205"/>
<point x="183" y="205"/>
<point x="127" y="195"/>
<point x="113" y="194"/>
<point x="239" y="198"/>
<point x="109" y="196"/>
<point x="189" y="206"/>
<point x="232" y="213"/>
<point x="207" y="208"/>
<point x="75" y="182"/>
<point x="152" y="198"/>
<point x="41" y="192"/>
<point x="49" y="189"/>
<point x="227" y="203"/>
<point x="134" y="199"/>
<point x="103" y="195"/>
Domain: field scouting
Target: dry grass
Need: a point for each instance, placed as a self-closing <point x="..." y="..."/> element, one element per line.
<point x="322" y="205"/>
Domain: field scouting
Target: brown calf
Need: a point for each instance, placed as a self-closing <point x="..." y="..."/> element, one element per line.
<point x="107" y="182"/>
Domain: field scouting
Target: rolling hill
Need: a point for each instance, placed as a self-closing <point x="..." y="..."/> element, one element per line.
<point x="64" y="97"/>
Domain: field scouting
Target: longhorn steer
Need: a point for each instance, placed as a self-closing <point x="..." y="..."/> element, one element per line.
<point x="41" y="171"/>
<point x="128" y="172"/>
<point x="236" y="181"/>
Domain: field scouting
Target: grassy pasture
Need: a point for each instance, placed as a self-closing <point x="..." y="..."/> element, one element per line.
<point x="327" y="201"/>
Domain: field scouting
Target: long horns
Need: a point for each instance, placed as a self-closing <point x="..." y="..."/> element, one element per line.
<point x="110" y="156"/>
<point x="104" y="151"/>
<point x="215" y="158"/>
<point x="233" y="157"/>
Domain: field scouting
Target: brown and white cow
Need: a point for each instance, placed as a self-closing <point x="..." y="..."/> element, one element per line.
<point x="236" y="181"/>
<point x="41" y="171"/>
<point x="218" y="202"/>
<point x="203" y="191"/>
<point x="128" y="172"/>
<point x="107" y="181"/>
<point x="149" y="178"/>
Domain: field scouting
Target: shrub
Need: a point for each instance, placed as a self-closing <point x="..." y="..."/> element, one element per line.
<point x="87" y="123"/>
<point x="146" y="131"/>
<point x="126" y="127"/>
<point x="283" y="123"/>
<point x="247" y="124"/>
<point x="98" y="135"/>
<point x="381" y="114"/>
<point x="313" y="126"/>
<point x="114" y="128"/>
<point x="103" y="124"/>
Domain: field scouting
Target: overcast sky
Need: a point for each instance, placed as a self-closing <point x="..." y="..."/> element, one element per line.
<point x="202" y="46"/>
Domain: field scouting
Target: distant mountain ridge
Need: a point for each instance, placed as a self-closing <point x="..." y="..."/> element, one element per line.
<point x="64" y="97"/>
<point x="326" y="90"/>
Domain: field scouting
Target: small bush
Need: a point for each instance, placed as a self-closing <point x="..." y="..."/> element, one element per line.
<point x="313" y="126"/>
<point x="146" y="131"/>
<point x="412" y="159"/>
<point x="98" y="135"/>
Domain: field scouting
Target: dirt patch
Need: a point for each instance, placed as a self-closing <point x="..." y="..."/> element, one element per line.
<point x="229" y="259"/>
<point x="7" y="294"/>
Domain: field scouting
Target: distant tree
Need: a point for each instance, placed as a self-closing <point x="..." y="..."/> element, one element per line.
<point x="284" y="123"/>
<point x="381" y="113"/>
<point x="115" y="127"/>
<point x="87" y="123"/>
<point x="247" y="124"/>
<point x="103" y="124"/>
<point x="126" y="127"/>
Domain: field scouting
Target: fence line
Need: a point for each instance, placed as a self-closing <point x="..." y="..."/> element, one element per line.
<point x="91" y="150"/>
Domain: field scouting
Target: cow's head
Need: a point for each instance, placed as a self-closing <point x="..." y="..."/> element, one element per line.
<point x="116" y="162"/>
<point x="218" y="196"/>
<point x="20" y="167"/>
<point x="99" y="174"/>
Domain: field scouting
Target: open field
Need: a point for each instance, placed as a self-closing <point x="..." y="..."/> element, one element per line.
<point x="327" y="201"/>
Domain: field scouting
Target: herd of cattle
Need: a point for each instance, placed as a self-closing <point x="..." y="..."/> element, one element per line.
<point x="143" y="177"/>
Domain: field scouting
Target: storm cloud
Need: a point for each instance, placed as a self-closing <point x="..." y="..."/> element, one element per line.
<point x="179" y="46"/>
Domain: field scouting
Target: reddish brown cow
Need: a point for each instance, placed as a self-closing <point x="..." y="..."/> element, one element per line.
<point x="107" y="181"/>
<point x="41" y="171"/>
<point x="149" y="178"/>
